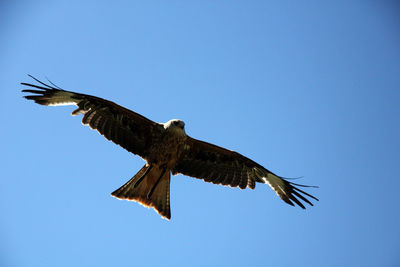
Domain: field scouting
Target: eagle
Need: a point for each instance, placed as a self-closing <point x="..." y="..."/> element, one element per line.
<point x="167" y="149"/>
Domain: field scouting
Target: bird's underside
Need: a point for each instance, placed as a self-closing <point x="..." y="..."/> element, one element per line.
<point x="166" y="149"/>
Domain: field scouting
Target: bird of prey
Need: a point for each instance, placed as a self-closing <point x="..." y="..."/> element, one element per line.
<point x="167" y="149"/>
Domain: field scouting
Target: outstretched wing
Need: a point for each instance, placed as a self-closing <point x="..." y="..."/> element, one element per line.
<point x="124" y="127"/>
<point x="222" y="166"/>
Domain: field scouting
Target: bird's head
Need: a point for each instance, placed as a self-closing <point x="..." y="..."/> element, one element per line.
<point x="175" y="125"/>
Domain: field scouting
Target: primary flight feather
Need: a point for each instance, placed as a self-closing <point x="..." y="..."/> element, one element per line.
<point x="166" y="149"/>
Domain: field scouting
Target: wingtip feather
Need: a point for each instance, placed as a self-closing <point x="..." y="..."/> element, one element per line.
<point x="286" y="190"/>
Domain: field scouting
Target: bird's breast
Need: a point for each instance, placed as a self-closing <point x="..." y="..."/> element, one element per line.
<point x="167" y="150"/>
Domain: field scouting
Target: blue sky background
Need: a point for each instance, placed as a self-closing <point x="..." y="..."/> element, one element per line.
<point x="304" y="88"/>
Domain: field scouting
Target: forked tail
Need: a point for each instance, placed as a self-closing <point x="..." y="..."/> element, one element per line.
<point x="149" y="187"/>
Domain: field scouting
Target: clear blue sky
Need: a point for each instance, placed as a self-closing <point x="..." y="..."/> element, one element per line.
<point x="304" y="88"/>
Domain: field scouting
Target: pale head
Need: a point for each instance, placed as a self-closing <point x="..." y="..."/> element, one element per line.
<point x="175" y="125"/>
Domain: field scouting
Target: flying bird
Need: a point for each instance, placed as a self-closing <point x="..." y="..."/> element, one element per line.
<point x="167" y="149"/>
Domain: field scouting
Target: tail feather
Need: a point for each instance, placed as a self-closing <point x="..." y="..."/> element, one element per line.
<point x="159" y="199"/>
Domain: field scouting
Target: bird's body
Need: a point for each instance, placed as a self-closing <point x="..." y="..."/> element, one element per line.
<point x="166" y="149"/>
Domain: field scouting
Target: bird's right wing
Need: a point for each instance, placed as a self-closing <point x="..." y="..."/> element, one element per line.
<point x="222" y="166"/>
<point x="124" y="127"/>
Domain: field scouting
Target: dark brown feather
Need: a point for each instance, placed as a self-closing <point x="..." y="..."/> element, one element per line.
<point x="243" y="179"/>
<point x="227" y="166"/>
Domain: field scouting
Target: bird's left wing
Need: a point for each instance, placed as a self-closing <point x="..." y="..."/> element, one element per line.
<point x="222" y="166"/>
<point x="124" y="127"/>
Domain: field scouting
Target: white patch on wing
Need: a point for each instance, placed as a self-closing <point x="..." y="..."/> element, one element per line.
<point x="62" y="98"/>
<point x="275" y="183"/>
<point x="66" y="103"/>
